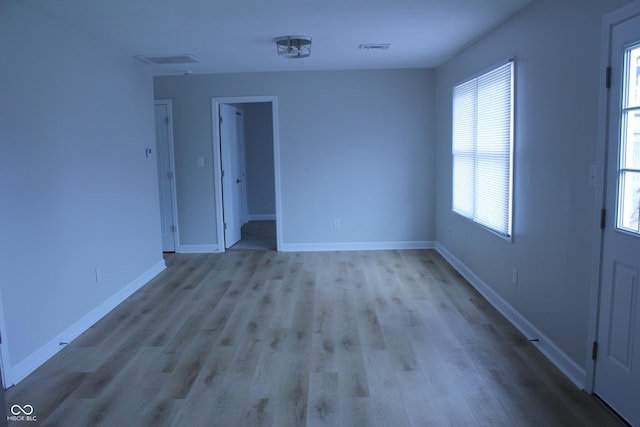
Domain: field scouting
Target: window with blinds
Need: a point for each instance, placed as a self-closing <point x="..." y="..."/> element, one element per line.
<point x="482" y="149"/>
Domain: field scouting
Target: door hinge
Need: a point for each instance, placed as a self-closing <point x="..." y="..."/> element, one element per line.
<point x="225" y="225"/>
<point x="607" y="80"/>
<point x="603" y="218"/>
<point x="166" y="120"/>
<point x="223" y="173"/>
<point x="220" y="119"/>
<point x="173" y="228"/>
<point x="170" y="175"/>
<point x="594" y="350"/>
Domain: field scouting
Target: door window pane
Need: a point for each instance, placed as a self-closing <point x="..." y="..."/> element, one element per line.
<point x="632" y="77"/>
<point x="628" y="205"/>
<point x="631" y="143"/>
<point x="629" y="201"/>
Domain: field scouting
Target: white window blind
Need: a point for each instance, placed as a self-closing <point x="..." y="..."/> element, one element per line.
<point x="482" y="149"/>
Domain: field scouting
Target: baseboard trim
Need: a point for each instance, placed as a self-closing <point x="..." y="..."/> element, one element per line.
<point x="574" y="372"/>
<point x="197" y="249"/>
<point x="355" y="246"/>
<point x="17" y="373"/>
<point x="261" y="217"/>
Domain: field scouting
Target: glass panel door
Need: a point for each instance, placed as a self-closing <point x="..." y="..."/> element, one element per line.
<point x="628" y="206"/>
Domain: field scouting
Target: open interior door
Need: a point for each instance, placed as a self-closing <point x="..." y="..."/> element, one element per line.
<point x="231" y="174"/>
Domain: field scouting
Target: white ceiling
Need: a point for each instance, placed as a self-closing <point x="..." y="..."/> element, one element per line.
<point x="238" y="35"/>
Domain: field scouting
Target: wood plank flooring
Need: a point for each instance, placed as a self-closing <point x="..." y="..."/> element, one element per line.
<point x="261" y="338"/>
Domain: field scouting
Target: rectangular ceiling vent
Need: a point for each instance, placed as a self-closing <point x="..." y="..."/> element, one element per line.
<point x="375" y="46"/>
<point x="169" y="60"/>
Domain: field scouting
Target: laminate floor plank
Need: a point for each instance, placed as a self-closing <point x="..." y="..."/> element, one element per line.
<point x="284" y="301"/>
<point x="352" y="375"/>
<point x="323" y="407"/>
<point x="71" y="413"/>
<point x="119" y="403"/>
<point x="199" y="407"/>
<point x="366" y="315"/>
<point x="356" y="412"/>
<point x="419" y="400"/>
<point x="181" y="378"/>
<point x="323" y="343"/>
<point x="388" y="409"/>
<point x="262" y="338"/>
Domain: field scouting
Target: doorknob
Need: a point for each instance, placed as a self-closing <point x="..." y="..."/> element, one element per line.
<point x="238" y="180"/>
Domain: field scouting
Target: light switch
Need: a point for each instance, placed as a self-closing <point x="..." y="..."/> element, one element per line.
<point x="200" y="162"/>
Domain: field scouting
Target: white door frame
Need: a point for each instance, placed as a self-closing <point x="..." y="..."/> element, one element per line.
<point x="231" y="182"/>
<point x="608" y="22"/>
<point x="172" y="166"/>
<point x="5" y="361"/>
<point x="217" y="163"/>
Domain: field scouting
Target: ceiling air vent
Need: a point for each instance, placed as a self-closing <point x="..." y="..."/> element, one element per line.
<point x="375" y="46"/>
<point x="169" y="60"/>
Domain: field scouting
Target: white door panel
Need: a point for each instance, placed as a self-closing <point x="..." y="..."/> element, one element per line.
<point x="617" y="376"/>
<point x="231" y="179"/>
<point x="242" y="168"/>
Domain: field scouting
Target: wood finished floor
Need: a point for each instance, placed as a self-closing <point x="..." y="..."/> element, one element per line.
<point x="259" y="338"/>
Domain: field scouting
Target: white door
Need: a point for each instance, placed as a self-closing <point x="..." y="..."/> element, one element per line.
<point x="166" y="176"/>
<point x="243" y="168"/>
<point x="231" y="174"/>
<point x="617" y="378"/>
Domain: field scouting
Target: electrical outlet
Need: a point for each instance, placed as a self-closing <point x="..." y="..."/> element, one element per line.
<point x="514" y="277"/>
<point x="337" y="223"/>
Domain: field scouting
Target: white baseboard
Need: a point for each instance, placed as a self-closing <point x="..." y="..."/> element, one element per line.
<point x="261" y="217"/>
<point x="197" y="249"/>
<point x="355" y="246"/>
<point x="564" y="363"/>
<point x="17" y="373"/>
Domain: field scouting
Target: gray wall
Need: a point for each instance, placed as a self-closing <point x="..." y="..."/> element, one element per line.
<point x="77" y="190"/>
<point x="354" y="145"/>
<point x="557" y="83"/>
<point x="258" y="136"/>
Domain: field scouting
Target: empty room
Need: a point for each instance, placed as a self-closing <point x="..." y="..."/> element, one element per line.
<point x="360" y="213"/>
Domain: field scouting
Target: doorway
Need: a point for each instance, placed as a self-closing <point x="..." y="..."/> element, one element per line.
<point x="616" y="316"/>
<point x="166" y="175"/>
<point x="247" y="193"/>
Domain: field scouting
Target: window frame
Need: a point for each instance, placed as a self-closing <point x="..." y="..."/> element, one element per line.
<point x="627" y="108"/>
<point x="473" y="217"/>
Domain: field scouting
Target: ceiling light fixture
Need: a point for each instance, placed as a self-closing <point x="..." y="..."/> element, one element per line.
<point x="294" y="46"/>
